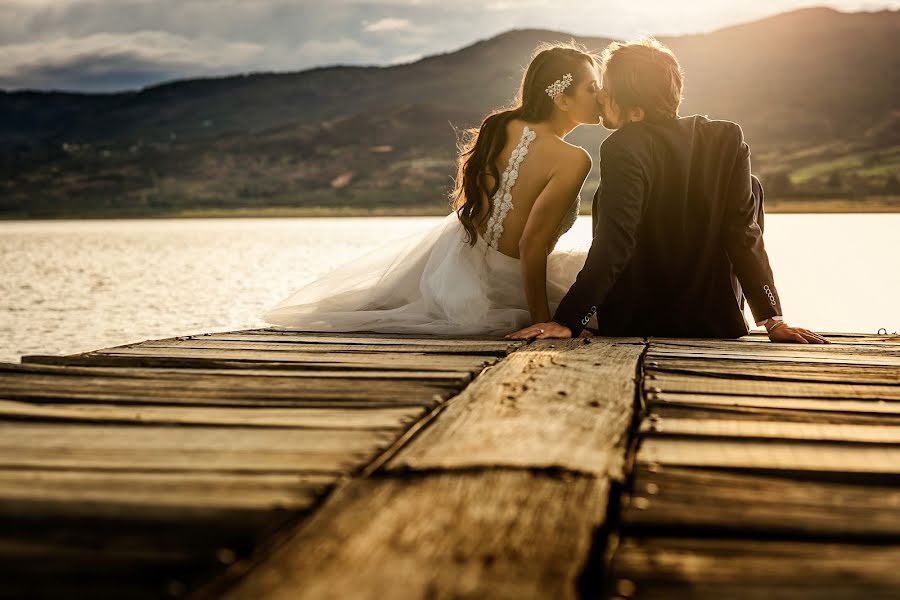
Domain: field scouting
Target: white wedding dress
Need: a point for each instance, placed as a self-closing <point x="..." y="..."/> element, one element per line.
<point x="434" y="283"/>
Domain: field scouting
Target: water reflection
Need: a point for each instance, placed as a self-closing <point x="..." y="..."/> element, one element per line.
<point x="71" y="286"/>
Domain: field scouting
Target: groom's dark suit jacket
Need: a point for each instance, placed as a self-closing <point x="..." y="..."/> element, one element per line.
<point x="676" y="236"/>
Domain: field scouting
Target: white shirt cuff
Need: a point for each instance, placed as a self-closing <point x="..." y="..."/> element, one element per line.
<point x="775" y="318"/>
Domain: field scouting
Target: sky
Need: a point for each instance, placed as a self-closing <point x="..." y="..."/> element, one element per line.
<point x="110" y="45"/>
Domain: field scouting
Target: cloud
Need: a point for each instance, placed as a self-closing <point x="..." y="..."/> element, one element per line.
<point x="387" y="24"/>
<point x="102" y="59"/>
<point x="405" y="58"/>
<point x="102" y="45"/>
<point x="339" y="51"/>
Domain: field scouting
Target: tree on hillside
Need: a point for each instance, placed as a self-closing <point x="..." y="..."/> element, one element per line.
<point x="778" y="183"/>
<point x="892" y="185"/>
<point x="835" y="181"/>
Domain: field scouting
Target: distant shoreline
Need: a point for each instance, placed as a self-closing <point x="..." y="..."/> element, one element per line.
<point x="882" y="204"/>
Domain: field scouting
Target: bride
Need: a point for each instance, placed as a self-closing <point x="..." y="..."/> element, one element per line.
<point x="489" y="267"/>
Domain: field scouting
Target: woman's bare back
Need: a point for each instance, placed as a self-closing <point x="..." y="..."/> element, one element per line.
<point x="544" y="155"/>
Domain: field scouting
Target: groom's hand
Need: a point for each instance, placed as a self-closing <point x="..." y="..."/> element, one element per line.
<point x="541" y="331"/>
<point x="795" y="335"/>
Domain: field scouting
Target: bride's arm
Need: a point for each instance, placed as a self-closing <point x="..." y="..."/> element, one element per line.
<point x="540" y="230"/>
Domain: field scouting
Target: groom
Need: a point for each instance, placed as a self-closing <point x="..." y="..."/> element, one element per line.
<point x="677" y="220"/>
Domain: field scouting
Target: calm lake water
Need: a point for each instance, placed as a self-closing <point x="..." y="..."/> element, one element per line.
<point x="73" y="286"/>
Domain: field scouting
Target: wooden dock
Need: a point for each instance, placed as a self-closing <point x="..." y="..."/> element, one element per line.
<point x="282" y="464"/>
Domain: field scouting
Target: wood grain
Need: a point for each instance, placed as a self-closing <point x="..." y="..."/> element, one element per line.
<point x="224" y="390"/>
<point x="382" y="361"/>
<point x="722" y="503"/>
<point x="198" y="448"/>
<point x="787" y="415"/>
<point x="306" y="418"/>
<point x="209" y="359"/>
<point x="779" y="370"/>
<point x="742" y="569"/>
<point x="771" y="455"/>
<point x="290" y="345"/>
<point x="699" y="384"/>
<point x="494" y="534"/>
<point x="767" y="429"/>
<point x="155" y="496"/>
<point x="57" y="365"/>
<point x="566" y="404"/>
<point x="798" y="353"/>
<point x="873" y="407"/>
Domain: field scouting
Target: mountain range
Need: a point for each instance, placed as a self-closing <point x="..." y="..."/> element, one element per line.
<point x="816" y="91"/>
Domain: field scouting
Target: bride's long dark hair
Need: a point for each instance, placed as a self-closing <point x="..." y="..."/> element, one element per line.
<point x="480" y="147"/>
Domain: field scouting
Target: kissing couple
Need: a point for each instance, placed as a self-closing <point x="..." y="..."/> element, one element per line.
<point x="677" y="222"/>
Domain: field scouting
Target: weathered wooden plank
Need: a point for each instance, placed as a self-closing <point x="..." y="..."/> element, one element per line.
<point x="722" y="428"/>
<point x="318" y="400"/>
<point x="496" y="345"/>
<point x="57" y="365"/>
<point x="750" y="413"/>
<point x="759" y="333"/>
<point x="664" y="355"/>
<point x="290" y="345"/>
<point x="404" y="337"/>
<point x="42" y="551"/>
<point x="760" y="337"/>
<point x="383" y="361"/>
<point x="308" y="418"/>
<point x="297" y="461"/>
<point x="873" y="407"/>
<point x="149" y="437"/>
<point x="224" y="390"/>
<point x="698" y="384"/>
<point x="207" y="361"/>
<point x="787" y="371"/>
<point x="224" y="499"/>
<point x="567" y="404"/>
<point x="824" y="457"/>
<point x="689" y="500"/>
<point x="494" y="534"/>
<point x="88" y="555"/>
<point x="746" y="346"/>
<point x="742" y="569"/>
<point x="79" y="586"/>
<point x="202" y="448"/>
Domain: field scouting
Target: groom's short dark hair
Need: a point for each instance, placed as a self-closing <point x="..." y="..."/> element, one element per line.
<point x="644" y="74"/>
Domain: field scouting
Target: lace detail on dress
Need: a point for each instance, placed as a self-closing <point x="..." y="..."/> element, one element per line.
<point x="502" y="200"/>
<point x="568" y="219"/>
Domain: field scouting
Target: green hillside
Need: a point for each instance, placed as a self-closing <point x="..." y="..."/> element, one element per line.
<point x="815" y="90"/>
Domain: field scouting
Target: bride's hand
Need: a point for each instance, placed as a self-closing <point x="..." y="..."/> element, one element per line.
<point x="541" y="331"/>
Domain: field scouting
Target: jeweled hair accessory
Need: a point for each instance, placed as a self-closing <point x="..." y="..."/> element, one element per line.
<point x="558" y="87"/>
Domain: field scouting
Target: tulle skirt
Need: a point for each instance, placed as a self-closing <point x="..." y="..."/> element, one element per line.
<point x="429" y="283"/>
